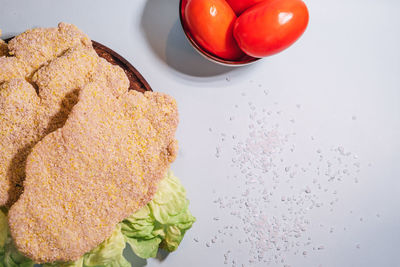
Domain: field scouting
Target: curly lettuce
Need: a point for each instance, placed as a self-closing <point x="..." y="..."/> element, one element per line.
<point x="9" y="255"/>
<point x="161" y="223"/>
<point x="107" y="254"/>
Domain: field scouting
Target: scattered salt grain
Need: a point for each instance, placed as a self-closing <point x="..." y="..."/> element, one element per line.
<point x="270" y="225"/>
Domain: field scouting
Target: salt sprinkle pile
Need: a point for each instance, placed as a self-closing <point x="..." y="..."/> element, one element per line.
<point x="271" y="216"/>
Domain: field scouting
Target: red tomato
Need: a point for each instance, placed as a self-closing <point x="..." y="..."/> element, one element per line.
<point x="241" y="5"/>
<point x="270" y="26"/>
<point x="211" y="25"/>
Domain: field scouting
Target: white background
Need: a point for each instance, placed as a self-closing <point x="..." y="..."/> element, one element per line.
<point x="340" y="83"/>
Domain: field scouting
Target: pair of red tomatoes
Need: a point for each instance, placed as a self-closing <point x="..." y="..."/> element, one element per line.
<point x="258" y="28"/>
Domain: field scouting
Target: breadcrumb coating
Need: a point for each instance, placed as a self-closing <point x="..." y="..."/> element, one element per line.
<point x="30" y="50"/>
<point x="58" y="82"/>
<point x="112" y="77"/>
<point x="87" y="152"/>
<point x="101" y="166"/>
<point x="19" y="105"/>
<point x="11" y="68"/>
<point x="37" y="46"/>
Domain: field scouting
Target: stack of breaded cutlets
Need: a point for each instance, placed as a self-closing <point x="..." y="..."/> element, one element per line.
<point x="79" y="152"/>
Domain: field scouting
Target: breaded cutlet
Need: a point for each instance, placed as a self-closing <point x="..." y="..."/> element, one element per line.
<point x="38" y="46"/>
<point x="19" y="107"/>
<point x="101" y="166"/>
<point x="34" y="48"/>
<point x="111" y="77"/>
<point x="58" y="85"/>
<point x="58" y="80"/>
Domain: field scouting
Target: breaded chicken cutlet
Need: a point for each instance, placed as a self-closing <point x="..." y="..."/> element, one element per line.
<point x="38" y="46"/>
<point x="30" y="50"/>
<point x="60" y="71"/>
<point x="79" y="153"/>
<point x="100" y="167"/>
<point x="18" y="118"/>
<point x="49" y="113"/>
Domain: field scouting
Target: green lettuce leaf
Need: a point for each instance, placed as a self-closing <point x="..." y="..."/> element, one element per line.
<point x="9" y="255"/>
<point x="3" y="229"/>
<point x="78" y="263"/>
<point x="109" y="253"/>
<point x="161" y="223"/>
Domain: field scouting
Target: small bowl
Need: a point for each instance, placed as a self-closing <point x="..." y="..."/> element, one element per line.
<point x="245" y="60"/>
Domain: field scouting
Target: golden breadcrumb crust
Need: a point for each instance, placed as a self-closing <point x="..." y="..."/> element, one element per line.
<point x="78" y="152"/>
<point x="65" y="67"/>
<point x="101" y="166"/>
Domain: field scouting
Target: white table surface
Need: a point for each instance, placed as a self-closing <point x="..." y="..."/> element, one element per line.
<point x="338" y="87"/>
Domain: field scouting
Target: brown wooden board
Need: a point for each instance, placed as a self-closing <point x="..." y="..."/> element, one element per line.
<point x="137" y="82"/>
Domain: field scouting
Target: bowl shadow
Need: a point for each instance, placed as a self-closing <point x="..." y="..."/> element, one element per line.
<point x="162" y="30"/>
